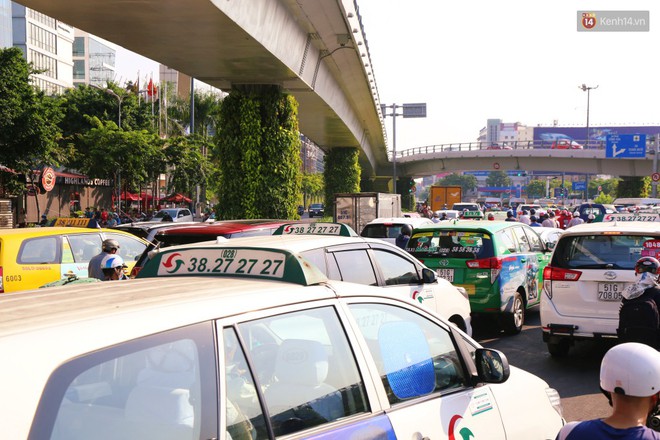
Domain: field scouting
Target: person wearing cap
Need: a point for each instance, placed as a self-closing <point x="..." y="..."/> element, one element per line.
<point x="630" y="379"/>
<point x="44" y="220"/>
<point x="110" y="246"/>
<point x="113" y="267"/>
<point x="576" y="220"/>
<point x="491" y="216"/>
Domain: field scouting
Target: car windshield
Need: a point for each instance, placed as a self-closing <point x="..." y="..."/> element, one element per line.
<point x="603" y="251"/>
<point x="316" y="206"/>
<point x="451" y="244"/>
<point x="161" y="213"/>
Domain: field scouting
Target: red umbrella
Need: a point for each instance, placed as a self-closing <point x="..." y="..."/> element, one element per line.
<point x="176" y="198"/>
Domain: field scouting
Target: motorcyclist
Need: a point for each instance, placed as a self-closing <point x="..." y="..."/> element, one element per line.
<point x="113" y="268"/>
<point x="404" y="236"/>
<point x="630" y="379"/>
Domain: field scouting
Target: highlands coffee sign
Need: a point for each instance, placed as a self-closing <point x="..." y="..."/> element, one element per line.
<point x="84" y="181"/>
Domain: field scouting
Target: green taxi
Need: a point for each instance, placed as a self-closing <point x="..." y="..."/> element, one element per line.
<point x="499" y="264"/>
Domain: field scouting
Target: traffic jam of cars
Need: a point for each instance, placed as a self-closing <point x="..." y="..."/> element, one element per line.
<point x="250" y="329"/>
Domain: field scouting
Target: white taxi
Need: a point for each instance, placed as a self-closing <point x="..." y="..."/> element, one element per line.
<point x="590" y="266"/>
<point x="242" y="343"/>
<point x="336" y="250"/>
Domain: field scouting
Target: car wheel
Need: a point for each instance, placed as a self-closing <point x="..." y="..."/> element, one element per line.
<point x="458" y="322"/>
<point x="513" y="321"/>
<point x="559" y="348"/>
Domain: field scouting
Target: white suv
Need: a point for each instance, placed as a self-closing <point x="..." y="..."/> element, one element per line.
<point x="589" y="268"/>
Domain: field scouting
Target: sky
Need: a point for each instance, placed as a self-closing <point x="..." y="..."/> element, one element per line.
<point x="515" y="60"/>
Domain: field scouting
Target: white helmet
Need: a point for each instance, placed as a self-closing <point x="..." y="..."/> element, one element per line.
<point x="631" y="369"/>
<point x="112" y="261"/>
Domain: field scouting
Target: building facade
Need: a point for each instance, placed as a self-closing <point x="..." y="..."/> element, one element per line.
<point x="93" y="60"/>
<point x="47" y="44"/>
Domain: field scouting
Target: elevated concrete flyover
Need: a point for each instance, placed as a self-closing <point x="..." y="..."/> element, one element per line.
<point x="314" y="49"/>
<point x="528" y="156"/>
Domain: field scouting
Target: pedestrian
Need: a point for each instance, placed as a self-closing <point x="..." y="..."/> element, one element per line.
<point x="630" y="379"/>
<point x="510" y="217"/>
<point x="491" y="217"/>
<point x="404" y="236"/>
<point x="113" y="267"/>
<point x="44" y="220"/>
<point x="639" y="320"/>
<point x="108" y="247"/>
<point x="576" y="220"/>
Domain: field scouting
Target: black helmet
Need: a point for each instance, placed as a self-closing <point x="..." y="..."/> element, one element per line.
<point x="406" y="230"/>
<point x="110" y="244"/>
<point x="647" y="264"/>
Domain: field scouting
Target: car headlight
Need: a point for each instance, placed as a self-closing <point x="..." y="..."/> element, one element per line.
<point x="555" y="400"/>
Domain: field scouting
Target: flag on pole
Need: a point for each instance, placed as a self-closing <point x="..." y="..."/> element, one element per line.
<point x="152" y="90"/>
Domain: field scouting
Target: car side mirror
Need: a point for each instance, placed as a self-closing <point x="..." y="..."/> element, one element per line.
<point x="429" y="276"/>
<point x="492" y="365"/>
<point x="550" y="246"/>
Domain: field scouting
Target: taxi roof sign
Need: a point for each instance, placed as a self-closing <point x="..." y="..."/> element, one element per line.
<point x="632" y="217"/>
<point x="473" y="214"/>
<point x="338" y="229"/>
<point x="246" y="262"/>
<point x="80" y="222"/>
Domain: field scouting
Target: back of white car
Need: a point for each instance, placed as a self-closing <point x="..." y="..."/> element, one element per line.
<point x="590" y="266"/>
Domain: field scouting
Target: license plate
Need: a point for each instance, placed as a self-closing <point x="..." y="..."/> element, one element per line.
<point x="447" y="274"/>
<point x="610" y="291"/>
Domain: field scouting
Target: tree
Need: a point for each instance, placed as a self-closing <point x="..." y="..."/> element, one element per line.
<point x="630" y="186"/>
<point x="312" y="185"/>
<point x="122" y="154"/>
<point x="498" y="178"/>
<point x="467" y="182"/>
<point x="536" y="189"/>
<point x="28" y="120"/>
<point x="188" y="167"/>
<point x="608" y="186"/>
<point x="342" y="174"/>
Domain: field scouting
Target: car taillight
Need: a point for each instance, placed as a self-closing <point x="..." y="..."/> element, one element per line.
<point x="485" y="263"/>
<point x="2" y="285"/>
<point x="558" y="274"/>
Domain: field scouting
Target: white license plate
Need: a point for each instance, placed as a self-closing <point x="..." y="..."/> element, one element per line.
<point x="610" y="291"/>
<point x="447" y="274"/>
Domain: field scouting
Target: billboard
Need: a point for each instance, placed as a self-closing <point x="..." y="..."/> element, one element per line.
<point x="596" y="134"/>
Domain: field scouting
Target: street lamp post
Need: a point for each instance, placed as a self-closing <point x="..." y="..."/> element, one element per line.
<point x="587" y="89"/>
<point x="409" y="111"/>
<point x="119" y="100"/>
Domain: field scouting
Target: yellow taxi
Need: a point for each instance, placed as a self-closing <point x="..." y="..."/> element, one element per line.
<point x="32" y="257"/>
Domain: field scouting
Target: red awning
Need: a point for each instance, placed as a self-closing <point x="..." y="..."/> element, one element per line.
<point x="176" y="198"/>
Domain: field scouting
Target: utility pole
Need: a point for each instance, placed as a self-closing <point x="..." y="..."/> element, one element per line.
<point x="587" y="89"/>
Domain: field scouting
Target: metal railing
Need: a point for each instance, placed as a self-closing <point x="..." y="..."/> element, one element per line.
<point x="594" y="144"/>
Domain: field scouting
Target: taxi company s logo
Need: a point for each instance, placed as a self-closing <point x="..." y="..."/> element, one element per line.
<point x="588" y="20"/>
<point x="169" y="263"/>
<point x="443" y="263"/>
<point x="465" y="433"/>
<point x="417" y="297"/>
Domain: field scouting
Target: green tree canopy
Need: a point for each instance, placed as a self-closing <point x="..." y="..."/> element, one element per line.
<point x="467" y="182"/>
<point x="536" y="189"/>
<point x="28" y="120"/>
<point x="498" y="178"/>
<point x="187" y="166"/>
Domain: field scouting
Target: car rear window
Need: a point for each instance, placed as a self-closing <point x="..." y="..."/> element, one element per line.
<point x="451" y="244"/>
<point x="382" y="231"/>
<point x="603" y="251"/>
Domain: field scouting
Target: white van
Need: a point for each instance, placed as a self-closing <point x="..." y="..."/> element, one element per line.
<point x="232" y="344"/>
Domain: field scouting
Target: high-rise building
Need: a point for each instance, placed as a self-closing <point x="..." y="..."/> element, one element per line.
<point x="5" y="23"/>
<point x="93" y="60"/>
<point x="47" y="44"/>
